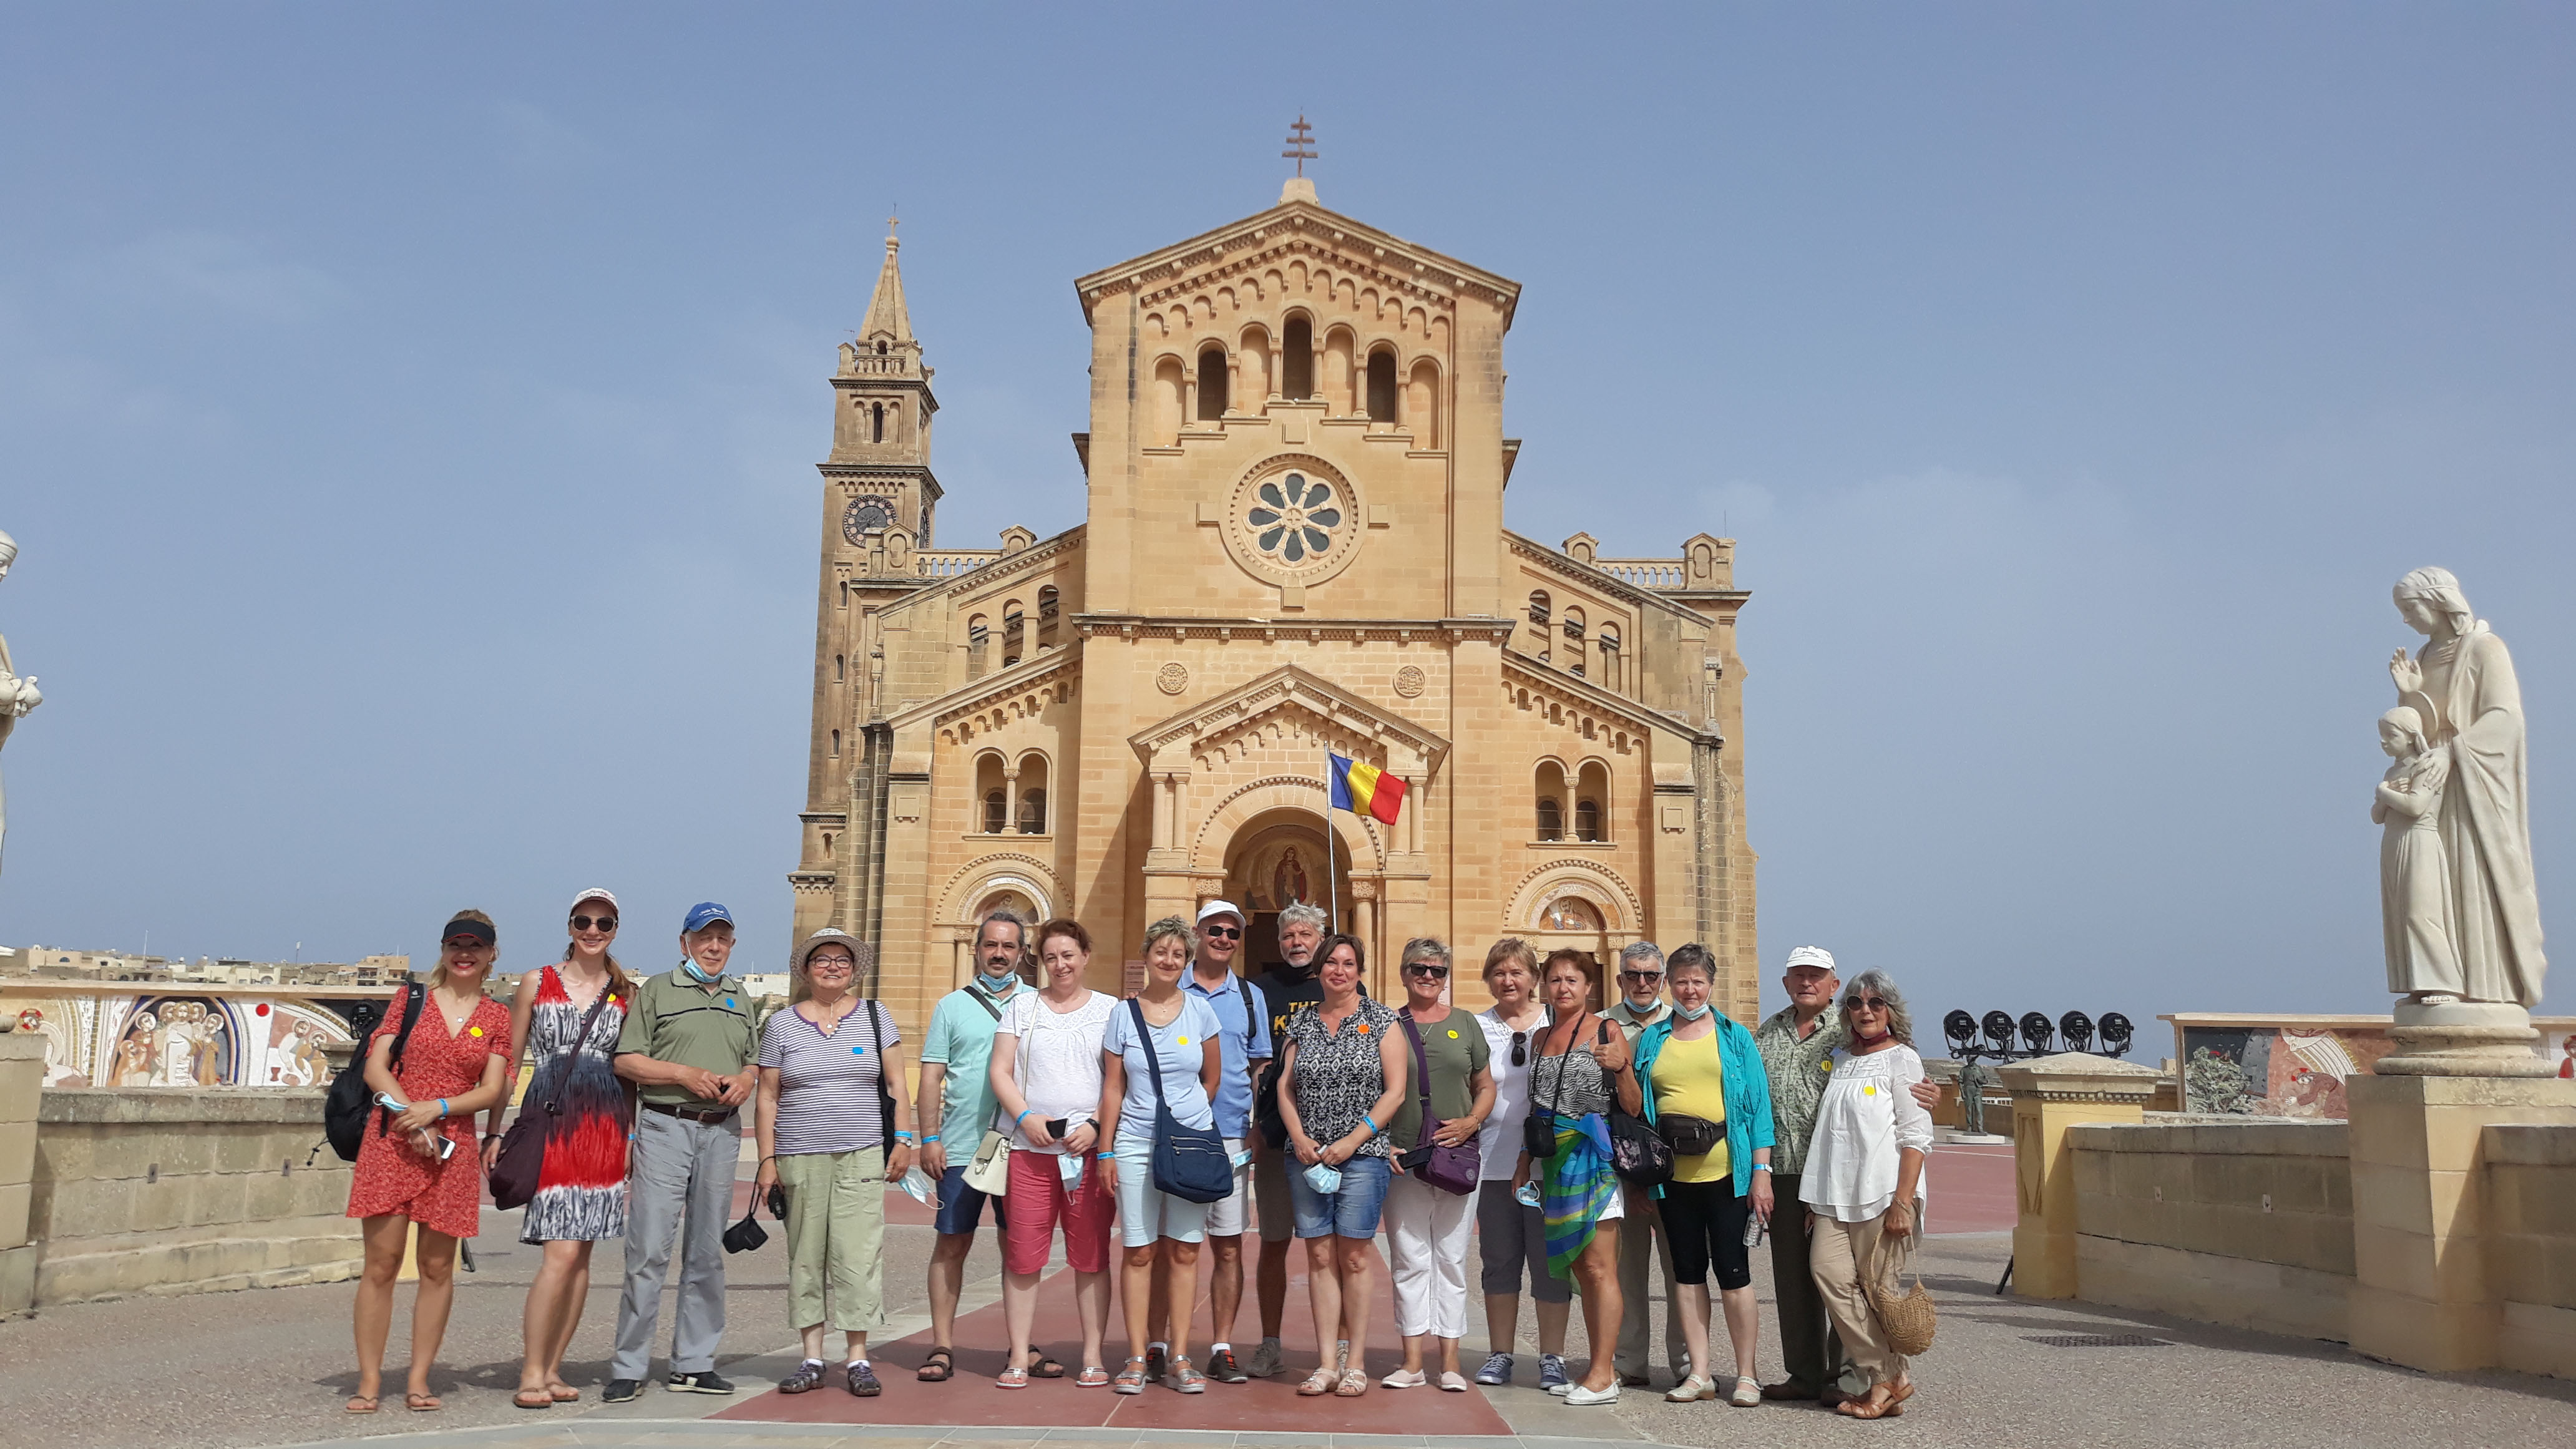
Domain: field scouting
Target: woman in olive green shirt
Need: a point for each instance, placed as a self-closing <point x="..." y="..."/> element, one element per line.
<point x="1427" y="1228"/>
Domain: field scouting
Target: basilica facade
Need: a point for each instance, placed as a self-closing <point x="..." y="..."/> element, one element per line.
<point x="1293" y="547"/>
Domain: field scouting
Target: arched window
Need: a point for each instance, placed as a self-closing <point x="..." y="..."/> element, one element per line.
<point x="1381" y="386"/>
<point x="1587" y="820"/>
<point x="1047" y="610"/>
<point x="1014" y="633"/>
<point x="978" y="631"/>
<point x="1610" y="656"/>
<point x="1538" y="609"/>
<point x="839" y="667"/>
<point x="845" y="593"/>
<point x="1033" y="794"/>
<point x="1551" y="819"/>
<point x="996" y="812"/>
<point x="993" y="793"/>
<point x="877" y="412"/>
<point x="1297" y="359"/>
<point x="1574" y="637"/>
<point x="880" y="349"/>
<point x="827" y="845"/>
<point x="1591" y="792"/>
<point x="1212" y="381"/>
<point x="836" y="744"/>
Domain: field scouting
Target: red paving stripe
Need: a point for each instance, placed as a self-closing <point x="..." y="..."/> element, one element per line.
<point x="1972" y="1189"/>
<point x="971" y="1399"/>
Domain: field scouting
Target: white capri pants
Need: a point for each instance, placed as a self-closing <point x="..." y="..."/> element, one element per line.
<point x="1426" y="1237"/>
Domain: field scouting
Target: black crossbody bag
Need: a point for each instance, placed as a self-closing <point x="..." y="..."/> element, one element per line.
<point x="1189" y="1163"/>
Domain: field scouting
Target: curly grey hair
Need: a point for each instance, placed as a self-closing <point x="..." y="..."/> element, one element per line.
<point x="1171" y="926"/>
<point x="1302" y="912"/>
<point x="1874" y="982"/>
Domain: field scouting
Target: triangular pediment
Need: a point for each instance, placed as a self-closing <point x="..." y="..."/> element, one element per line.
<point x="1289" y="695"/>
<point x="1300" y="226"/>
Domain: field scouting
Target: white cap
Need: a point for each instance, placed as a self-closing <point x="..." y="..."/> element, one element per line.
<point x="1816" y="956"/>
<point x="597" y="895"/>
<point x="1221" y="908"/>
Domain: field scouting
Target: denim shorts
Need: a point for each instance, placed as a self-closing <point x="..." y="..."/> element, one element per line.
<point x="1350" y="1213"/>
<point x="961" y="1208"/>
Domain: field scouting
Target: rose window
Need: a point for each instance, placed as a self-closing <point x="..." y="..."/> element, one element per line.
<point x="1294" y="517"/>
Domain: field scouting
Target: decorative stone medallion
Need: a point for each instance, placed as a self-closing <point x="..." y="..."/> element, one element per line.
<point x="1172" y="678"/>
<point x="1408" y="682"/>
<point x="1293" y="519"/>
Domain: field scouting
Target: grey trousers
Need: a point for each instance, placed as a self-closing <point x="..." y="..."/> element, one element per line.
<point x="677" y="1169"/>
<point x="1809" y="1347"/>
<point x="1641" y="1244"/>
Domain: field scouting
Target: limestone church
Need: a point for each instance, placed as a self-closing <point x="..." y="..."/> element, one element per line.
<point x="1294" y="545"/>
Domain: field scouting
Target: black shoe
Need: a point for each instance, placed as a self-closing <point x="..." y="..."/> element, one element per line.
<point x="863" y="1381"/>
<point x="1155" y="1367"/>
<point x="626" y="1391"/>
<point x="705" y="1382"/>
<point x="1222" y="1368"/>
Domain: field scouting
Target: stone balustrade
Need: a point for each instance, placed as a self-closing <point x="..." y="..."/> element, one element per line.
<point x="1644" y="573"/>
<point x="949" y="563"/>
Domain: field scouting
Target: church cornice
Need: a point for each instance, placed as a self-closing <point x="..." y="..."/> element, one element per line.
<point x="1390" y="261"/>
<point x="1583" y="694"/>
<point x="1213" y="718"/>
<point x="841" y="470"/>
<point x="1567" y="566"/>
<point x="975" y="696"/>
<point x="1272" y="631"/>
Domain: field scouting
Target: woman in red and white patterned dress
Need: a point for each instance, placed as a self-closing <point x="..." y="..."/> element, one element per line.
<point x="581" y="1189"/>
<point x="419" y="1165"/>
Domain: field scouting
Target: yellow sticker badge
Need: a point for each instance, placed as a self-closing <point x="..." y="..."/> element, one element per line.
<point x="1453" y="1033"/>
<point x="1869" y="1091"/>
<point x="473" y="1031"/>
<point x="1185" y="1041"/>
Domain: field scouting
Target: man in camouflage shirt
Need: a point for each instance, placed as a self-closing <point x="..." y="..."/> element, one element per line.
<point x="1796" y="1043"/>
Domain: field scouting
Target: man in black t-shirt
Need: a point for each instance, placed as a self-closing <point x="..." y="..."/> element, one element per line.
<point x="1283" y="990"/>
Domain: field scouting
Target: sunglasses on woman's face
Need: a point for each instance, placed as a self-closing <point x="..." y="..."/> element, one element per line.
<point x="1223" y="933"/>
<point x="1425" y="969"/>
<point x="585" y="923"/>
<point x="1874" y="1003"/>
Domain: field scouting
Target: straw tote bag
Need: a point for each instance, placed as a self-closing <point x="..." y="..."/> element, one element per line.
<point x="1905" y="1314"/>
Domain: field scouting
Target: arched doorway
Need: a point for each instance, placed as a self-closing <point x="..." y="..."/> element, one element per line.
<point x="1277" y="858"/>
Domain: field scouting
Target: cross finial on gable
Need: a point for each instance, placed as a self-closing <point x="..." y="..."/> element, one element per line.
<point x="1301" y="143"/>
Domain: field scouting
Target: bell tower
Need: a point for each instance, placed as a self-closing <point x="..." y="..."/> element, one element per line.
<point x="882" y="407"/>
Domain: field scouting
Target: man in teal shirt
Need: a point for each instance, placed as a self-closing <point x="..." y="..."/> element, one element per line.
<point x="956" y="1102"/>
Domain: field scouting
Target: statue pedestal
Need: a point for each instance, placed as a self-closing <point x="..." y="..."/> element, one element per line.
<point x="2049" y="1095"/>
<point x="2462" y="1039"/>
<point x="2424" y="1291"/>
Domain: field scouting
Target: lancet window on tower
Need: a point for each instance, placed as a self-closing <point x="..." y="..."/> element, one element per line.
<point x="1212" y="384"/>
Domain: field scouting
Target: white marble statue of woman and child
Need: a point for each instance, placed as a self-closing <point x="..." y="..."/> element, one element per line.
<point x="2459" y="910"/>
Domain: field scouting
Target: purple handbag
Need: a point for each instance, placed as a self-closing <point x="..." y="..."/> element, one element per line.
<point x="1453" y="1170"/>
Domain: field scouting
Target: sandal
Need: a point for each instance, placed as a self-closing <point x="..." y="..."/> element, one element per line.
<point x="1131" y="1379"/>
<point x="422" y="1403"/>
<point x="1091" y="1377"/>
<point x="1317" y="1384"/>
<point x="1041" y="1366"/>
<point x="1014" y="1378"/>
<point x="361" y="1404"/>
<point x="1354" y="1383"/>
<point x="1879" y="1404"/>
<point x="1185" y="1378"/>
<point x="942" y="1364"/>
<point x="545" y="1398"/>
<point x="563" y="1393"/>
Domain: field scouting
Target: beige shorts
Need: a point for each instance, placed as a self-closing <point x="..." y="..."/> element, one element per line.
<point x="1231" y="1217"/>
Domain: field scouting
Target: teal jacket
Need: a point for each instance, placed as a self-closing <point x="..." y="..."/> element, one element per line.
<point x="1748" y="1091"/>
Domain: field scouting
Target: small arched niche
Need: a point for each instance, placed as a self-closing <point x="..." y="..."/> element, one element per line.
<point x="1422" y="404"/>
<point x="1171" y="396"/>
<point x="1255" y="354"/>
<point x="1341" y="373"/>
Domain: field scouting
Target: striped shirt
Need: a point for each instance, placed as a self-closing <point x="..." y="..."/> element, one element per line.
<point x="827" y="1088"/>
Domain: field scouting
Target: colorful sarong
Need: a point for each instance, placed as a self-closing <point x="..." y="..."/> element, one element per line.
<point x="1577" y="1185"/>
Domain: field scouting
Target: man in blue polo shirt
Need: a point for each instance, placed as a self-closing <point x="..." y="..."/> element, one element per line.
<point x="1244" y="1049"/>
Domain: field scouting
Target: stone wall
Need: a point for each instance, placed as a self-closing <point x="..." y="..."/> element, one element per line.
<point x="2531" y="1186"/>
<point x="161" y="1190"/>
<point x="2243" y="1223"/>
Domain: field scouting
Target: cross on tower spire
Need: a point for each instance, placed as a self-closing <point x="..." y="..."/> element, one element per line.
<point x="1301" y="143"/>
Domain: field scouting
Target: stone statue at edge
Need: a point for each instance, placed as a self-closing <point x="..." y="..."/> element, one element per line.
<point x="17" y="696"/>
<point x="2462" y="915"/>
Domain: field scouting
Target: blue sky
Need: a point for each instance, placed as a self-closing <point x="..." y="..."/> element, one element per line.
<point x="409" y="415"/>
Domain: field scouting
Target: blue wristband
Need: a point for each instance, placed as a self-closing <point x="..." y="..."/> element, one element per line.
<point x="903" y="1137"/>
<point x="442" y="1106"/>
<point x="1023" y="1117"/>
<point x="1374" y="1129"/>
<point x="926" y="1141"/>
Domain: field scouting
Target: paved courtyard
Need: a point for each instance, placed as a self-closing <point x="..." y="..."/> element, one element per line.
<point x="271" y="1368"/>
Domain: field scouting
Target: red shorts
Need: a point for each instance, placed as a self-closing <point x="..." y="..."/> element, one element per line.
<point x="1037" y="1200"/>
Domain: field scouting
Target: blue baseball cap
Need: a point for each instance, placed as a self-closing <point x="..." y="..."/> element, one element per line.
<point x="705" y="914"/>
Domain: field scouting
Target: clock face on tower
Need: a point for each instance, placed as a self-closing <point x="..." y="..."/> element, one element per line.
<point x="868" y="513"/>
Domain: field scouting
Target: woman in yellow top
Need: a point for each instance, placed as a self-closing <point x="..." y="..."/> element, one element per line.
<point x="1707" y="1093"/>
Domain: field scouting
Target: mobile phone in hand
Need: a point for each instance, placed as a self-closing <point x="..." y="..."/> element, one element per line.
<point x="1056" y="1127"/>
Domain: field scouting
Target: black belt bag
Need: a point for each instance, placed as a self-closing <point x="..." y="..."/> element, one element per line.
<point x="1690" y="1136"/>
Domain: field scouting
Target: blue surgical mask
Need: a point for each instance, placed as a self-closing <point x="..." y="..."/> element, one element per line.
<point x="690" y="965"/>
<point x="1324" y="1178"/>
<point x="1687" y="1013"/>
<point x="997" y="985"/>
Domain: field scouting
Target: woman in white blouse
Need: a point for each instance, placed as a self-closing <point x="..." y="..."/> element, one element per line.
<point x="1863" y="1182"/>
<point x="1046" y="1075"/>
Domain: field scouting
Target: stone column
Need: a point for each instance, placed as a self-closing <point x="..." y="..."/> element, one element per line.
<point x="2424" y="1293"/>
<point x="2049" y="1095"/>
<point x="22" y="1087"/>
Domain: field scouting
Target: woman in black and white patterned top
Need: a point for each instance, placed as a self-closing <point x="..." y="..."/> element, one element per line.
<point x="1342" y="1075"/>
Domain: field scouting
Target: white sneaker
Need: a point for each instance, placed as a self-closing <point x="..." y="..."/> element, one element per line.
<point x="1577" y="1396"/>
<point x="1405" y="1379"/>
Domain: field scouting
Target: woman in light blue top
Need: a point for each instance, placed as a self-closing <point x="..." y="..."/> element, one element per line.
<point x="1183" y="1031"/>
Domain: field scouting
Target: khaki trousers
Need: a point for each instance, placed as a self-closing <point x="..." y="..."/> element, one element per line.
<point x="1809" y="1347"/>
<point x="1842" y="1257"/>
<point x="1642" y="1244"/>
<point x="836" y="1235"/>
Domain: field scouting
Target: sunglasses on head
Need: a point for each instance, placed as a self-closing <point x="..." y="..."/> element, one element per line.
<point x="1874" y="1003"/>
<point x="1222" y="933"/>
<point x="604" y="923"/>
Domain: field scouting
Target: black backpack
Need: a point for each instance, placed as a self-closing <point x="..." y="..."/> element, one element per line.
<point x="344" y="1112"/>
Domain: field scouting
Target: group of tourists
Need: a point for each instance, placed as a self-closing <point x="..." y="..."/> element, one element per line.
<point x="1572" y="1148"/>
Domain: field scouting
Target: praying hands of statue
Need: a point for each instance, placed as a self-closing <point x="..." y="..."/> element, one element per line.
<point x="2406" y="674"/>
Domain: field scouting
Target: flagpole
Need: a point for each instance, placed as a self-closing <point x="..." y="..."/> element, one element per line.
<point x="1332" y="873"/>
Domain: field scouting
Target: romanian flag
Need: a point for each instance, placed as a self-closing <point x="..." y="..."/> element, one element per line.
<point x="1364" y="790"/>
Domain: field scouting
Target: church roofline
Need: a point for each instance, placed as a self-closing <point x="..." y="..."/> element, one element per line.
<point x="1435" y="268"/>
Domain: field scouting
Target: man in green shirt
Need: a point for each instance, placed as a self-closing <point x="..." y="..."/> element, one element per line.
<point x="956" y="1103"/>
<point x="689" y="1048"/>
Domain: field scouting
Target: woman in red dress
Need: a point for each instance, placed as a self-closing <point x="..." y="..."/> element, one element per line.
<point x="420" y="1165"/>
